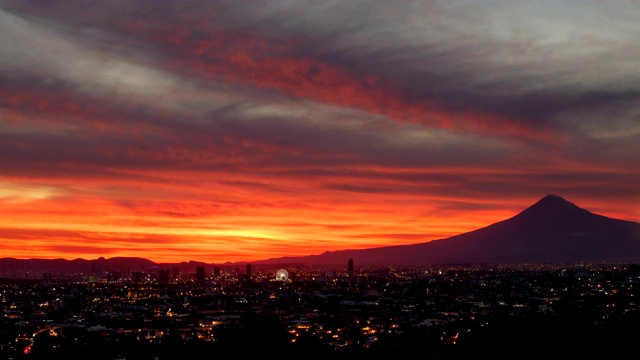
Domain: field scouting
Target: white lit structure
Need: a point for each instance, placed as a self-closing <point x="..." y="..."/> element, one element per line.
<point x="282" y="275"/>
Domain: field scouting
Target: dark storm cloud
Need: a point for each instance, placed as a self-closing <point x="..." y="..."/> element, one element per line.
<point x="478" y="56"/>
<point x="462" y="57"/>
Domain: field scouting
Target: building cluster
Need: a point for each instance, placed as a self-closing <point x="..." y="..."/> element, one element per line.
<point x="442" y="311"/>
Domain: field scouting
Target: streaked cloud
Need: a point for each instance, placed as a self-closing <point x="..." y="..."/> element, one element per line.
<point x="241" y="131"/>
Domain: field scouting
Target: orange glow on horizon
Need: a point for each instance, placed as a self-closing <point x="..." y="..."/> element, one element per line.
<point x="61" y="224"/>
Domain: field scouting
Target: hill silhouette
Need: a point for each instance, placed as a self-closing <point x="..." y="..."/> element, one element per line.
<point x="551" y="230"/>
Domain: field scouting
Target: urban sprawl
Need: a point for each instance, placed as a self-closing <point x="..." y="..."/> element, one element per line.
<point x="441" y="312"/>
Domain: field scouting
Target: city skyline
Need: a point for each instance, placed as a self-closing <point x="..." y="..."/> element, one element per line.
<point x="227" y="132"/>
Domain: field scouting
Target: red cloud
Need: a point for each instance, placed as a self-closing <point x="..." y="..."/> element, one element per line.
<point x="251" y="59"/>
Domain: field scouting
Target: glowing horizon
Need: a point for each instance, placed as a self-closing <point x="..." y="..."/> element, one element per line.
<point x="219" y="133"/>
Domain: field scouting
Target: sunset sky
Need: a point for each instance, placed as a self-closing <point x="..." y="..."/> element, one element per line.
<point x="239" y="131"/>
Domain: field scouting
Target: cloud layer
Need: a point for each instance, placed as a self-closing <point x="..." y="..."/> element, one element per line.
<point x="243" y="131"/>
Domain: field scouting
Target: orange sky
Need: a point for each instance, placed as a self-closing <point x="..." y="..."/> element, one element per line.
<point x="219" y="133"/>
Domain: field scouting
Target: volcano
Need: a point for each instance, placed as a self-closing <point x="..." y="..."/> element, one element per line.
<point x="553" y="230"/>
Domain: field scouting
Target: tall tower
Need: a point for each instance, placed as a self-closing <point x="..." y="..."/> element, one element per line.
<point x="350" y="269"/>
<point x="248" y="271"/>
<point x="200" y="275"/>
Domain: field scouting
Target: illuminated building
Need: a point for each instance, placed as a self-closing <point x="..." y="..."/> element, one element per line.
<point x="350" y="269"/>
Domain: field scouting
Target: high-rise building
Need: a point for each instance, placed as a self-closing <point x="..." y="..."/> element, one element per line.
<point x="138" y="276"/>
<point x="350" y="269"/>
<point x="46" y="278"/>
<point x="163" y="276"/>
<point x="248" y="271"/>
<point x="200" y="275"/>
<point x="216" y="272"/>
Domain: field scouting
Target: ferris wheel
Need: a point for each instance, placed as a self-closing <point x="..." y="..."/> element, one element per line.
<point x="282" y="275"/>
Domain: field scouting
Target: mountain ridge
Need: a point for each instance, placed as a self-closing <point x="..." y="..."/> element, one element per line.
<point x="551" y="230"/>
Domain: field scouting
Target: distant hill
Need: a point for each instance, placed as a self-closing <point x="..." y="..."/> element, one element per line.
<point x="81" y="265"/>
<point x="123" y="264"/>
<point x="553" y="230"/>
